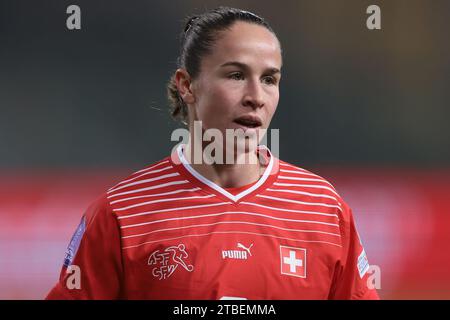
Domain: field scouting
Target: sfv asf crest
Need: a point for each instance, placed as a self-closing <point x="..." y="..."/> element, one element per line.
<point x="166" y="262"/>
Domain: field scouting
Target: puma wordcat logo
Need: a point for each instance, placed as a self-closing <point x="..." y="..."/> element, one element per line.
<point x="238" y="254"/>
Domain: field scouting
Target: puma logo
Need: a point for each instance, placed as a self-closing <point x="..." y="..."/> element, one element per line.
<point x="240" y="245"/>
<point x="238" y="254"/>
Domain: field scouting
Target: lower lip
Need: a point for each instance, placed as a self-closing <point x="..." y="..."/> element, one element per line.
<point x="245" y="128"/>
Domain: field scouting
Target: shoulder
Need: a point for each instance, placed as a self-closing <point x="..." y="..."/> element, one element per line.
<point x="309" y="183"/>
<point x="319" y="191"/>
<point x="155" y="170"/>
<point x="157" y="179"/>
<point x="292" y="172"/>
<point x="101" y="209"/>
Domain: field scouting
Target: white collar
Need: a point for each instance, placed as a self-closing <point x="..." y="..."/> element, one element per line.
<point x="218" y="188"/>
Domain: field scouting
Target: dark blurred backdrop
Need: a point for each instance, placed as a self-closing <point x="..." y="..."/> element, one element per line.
<point x="96" y="96"/>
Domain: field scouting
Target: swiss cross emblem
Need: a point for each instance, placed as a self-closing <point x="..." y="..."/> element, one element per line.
<point x="293" y="261"/>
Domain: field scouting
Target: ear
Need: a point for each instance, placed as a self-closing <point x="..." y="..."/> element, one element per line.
<point x="184" y="85"/>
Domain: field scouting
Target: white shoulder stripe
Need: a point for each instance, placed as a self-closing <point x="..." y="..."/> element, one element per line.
<point x="171" y="209"/>
<point x="305" y="179"/>
<point x="318" y="195"/>
<point x="141" y="175"/>
<point x="162" y="200"/>
<point x="149" y="188"/>
<point x="231" y="222"/>
<point x="230" y="232"/>
<point x="291" y="210"/>
<point x="305" y="186"/>
<point x="300" y="202"/>
<point x="303" y="173"/>
<point x="229" y="213"/>
<point x="156" y="195"/>
<point x="152" y="167"/>
<point x="145" y="181"/>
<point x="140" y="171"/>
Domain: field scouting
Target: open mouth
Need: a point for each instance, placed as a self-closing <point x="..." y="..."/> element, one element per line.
<point x="249" y="121"/>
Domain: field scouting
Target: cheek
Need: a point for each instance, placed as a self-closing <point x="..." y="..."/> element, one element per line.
<point x="275" y="97"/>
<point x="216" y="101"/>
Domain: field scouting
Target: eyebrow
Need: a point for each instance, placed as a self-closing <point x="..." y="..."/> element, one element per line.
<point x="246" y="67"/>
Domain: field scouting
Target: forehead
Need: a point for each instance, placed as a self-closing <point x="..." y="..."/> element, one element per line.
<point x="247" y="43"/>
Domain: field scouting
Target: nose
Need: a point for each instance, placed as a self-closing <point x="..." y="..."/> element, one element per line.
<point x="254" y="95"/>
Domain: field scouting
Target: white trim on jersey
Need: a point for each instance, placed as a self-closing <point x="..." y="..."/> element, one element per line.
<point x="143" y="174"/>
<point x="214" y="186"/>
<point x="245" y="213"/>
<point x="149" y="188"/>
<point x="140" y="204"/>
<point x="300" y="202"/>
<point x="156" y="195"/>
<point x="143" y="181"/>
<point x="231" y="222"/>
<point x="231" y="232"/>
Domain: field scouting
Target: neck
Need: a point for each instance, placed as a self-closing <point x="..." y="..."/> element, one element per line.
<point x="234" y="175"/>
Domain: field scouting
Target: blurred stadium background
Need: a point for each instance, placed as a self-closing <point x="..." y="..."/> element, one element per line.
<point x="369" y="110"/>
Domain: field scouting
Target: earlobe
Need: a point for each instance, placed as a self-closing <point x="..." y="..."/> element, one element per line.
<point x="185" y="86"/>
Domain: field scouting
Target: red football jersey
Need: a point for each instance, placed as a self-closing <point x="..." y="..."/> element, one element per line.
<point x="166" y="232"/>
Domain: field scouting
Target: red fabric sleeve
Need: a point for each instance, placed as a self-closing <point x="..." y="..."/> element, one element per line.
<point x="351" y="275"/>
<point x="98" y="257"/>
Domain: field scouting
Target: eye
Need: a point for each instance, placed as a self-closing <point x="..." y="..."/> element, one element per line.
<point x="236" y="76"/>
<point x="270" y="80"/>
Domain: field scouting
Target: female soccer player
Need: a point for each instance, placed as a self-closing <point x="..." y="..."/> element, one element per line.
<point x="254" y="227"/>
